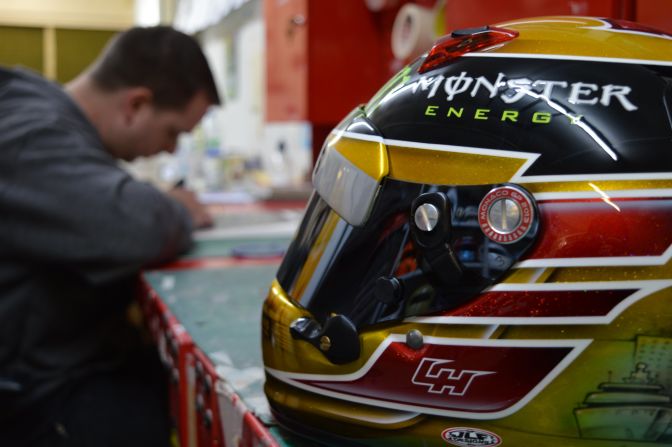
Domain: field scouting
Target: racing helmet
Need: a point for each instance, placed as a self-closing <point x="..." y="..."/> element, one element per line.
<point x="486" y="257"/>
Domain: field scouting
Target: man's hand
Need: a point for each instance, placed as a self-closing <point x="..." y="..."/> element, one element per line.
<point x="199" y="214"/>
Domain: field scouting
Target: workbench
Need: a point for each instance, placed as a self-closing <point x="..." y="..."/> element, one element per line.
<point x="204" y="313"/>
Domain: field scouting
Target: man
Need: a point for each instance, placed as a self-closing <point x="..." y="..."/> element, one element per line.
<point x="75" y="229"/>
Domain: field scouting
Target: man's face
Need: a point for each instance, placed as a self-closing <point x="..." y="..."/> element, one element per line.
<point x="153" y="130"/>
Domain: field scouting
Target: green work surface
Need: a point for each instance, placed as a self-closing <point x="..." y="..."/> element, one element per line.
<point x="220" y="308"/>
<point x="227" y="247"/>
<point x="288" y="439"/>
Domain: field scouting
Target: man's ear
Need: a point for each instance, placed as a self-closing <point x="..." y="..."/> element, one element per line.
<point x="134" y="100"/>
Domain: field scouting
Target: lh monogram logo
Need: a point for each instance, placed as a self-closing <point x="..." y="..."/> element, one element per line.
<point x="439" y="379"/>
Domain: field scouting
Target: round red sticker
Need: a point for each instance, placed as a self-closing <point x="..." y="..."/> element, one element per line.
<point x="505" y="214"/>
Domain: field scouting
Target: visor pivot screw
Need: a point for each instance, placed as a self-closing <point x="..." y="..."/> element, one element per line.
<point x="504" y="215"/>
<point x="325" y="343"/>
<point x="426" y="217"/>
<point x="414" y="339"/>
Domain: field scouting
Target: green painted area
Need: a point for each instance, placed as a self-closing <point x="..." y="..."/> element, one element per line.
<point x="431" y="110"/>
<point x="481" y="114"/>
<point x="22" y="46"/>
<point x="76" y="49"/>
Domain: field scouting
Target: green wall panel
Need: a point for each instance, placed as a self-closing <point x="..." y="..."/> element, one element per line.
<point x="76" y="49"/>
<point x="21" y="46"/>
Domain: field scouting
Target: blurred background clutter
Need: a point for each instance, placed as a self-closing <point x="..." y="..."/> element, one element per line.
<point x="288" y="70"/>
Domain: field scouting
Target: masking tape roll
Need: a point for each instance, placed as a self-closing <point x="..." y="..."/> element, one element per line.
<point x="413" y="31"/>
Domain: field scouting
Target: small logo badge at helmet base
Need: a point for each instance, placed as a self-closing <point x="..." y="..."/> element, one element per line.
<point x="505" y="215"/>
<point x="468" y="437"/>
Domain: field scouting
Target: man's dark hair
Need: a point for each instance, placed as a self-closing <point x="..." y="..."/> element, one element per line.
<point x="168" y="62"/>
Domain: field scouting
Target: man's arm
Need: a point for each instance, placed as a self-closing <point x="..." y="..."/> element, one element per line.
<point x="200" y="216"/>
<point x="67" y="204"/>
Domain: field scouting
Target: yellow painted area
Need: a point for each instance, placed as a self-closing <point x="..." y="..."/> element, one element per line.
<point x="635" y="273"/>
<point x="304" y="358"/>
<point x="281" y="309"/>
<point x="528" y="276"/>
<point x="604" y="185"/>
<point x="611" y="353"/>
<point x="583" y="36"/>
<point x="81" y="14"/>
<point x="315" y="408"/>
<point x="450" y="168"/>
<point x="445" y="167"/>
<point x="588" y="274"/>
<point x="368" y="156"/>
<point x="281" y="351"/>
